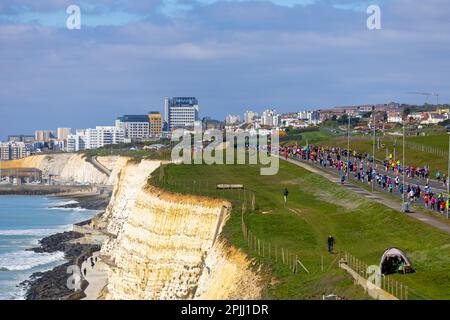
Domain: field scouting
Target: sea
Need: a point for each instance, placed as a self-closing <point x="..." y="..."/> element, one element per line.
<point x="24" y="220"/>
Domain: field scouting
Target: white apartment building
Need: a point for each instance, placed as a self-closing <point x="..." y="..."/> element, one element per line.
<point x="250" y="116"/>
<point x="135" y="126"/>
<point x="104" y="135"/>
<point x="311" y="117"/>
<point x="76" y="142"/>
<point x="271" y="118"/>
<point x="95" y="138"/>
<point x="12" y="150"/>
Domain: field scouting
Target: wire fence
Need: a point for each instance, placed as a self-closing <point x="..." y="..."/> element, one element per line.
<point x="429" y="149"/>
<point x="372" y="274"/>
<point x="267" y="249"/>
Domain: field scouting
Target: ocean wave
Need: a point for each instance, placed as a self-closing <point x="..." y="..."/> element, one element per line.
<point x="25" y="260"/>
<point x="35" y="232"/>
<point x="68" y="209"/>
<point x="63" y="203"/>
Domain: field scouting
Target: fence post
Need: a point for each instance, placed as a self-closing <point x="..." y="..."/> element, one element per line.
<point x="282" y="254"/>
<point x="321" y="263"/>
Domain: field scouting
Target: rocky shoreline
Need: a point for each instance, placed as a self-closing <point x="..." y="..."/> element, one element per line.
<point x="89" y="201"/>
<point x="52" y="284"/>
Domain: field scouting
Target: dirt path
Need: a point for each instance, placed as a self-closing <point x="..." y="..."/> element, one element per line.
<point x="391" y="204"/>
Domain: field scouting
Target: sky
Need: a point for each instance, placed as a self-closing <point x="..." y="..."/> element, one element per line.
<point x="232" y="55"/>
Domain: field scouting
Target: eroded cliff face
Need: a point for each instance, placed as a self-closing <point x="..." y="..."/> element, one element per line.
<point x="169" y="247"/>
<point x="130" y="177"/>
<point x="64" y="168"/>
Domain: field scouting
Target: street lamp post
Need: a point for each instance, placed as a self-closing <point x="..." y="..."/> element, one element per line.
<point x="448" y="175"/>
<point x="403" y="166"/>
<point x="348" y="148"/>
<point x="373" y="145"/>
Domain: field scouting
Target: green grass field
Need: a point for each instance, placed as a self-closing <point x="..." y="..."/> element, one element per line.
<point x="309" y="137"/>
<point x="317" y="208"/>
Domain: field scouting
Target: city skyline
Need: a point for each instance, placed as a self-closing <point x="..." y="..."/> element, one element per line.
<point x="233" y="56"/>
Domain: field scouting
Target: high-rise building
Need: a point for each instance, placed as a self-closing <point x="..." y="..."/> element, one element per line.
<point x="95" y="138"/>
<point x="76" y="142"/>
<point x="44" y="135"/>
<point x="249" y="116"/>
<point x="180" y="112"/>
<point x="156" y="123"/>
<point x="270" y="118"/>
<point x="12" y="150"/>
<point x="135" y="126"/>
<point x="62" y="133"/>
<point x="104" y="135"/>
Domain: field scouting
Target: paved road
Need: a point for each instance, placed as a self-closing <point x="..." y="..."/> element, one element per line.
<point x="396" y="205"/>
<point x="436" y="187"/>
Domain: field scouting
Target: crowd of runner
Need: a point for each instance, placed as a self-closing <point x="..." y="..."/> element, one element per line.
<point x="362" y="168"/>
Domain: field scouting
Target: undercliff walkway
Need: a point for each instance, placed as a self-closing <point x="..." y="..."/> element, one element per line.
<point x="93" y="160"/>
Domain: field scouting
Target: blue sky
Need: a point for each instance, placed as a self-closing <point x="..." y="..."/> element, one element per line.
<point x="233" y="55"/>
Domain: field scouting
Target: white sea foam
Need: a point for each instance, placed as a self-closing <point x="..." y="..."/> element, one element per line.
<point x="25" y="260"/>
<point x="63" y="203"/>
<point x="68" y="209"/>
<point x="35" y="232"/>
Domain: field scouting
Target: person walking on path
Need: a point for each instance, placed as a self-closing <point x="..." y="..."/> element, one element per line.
<point x="330" y="243"/>
<point x="285" y="194"/>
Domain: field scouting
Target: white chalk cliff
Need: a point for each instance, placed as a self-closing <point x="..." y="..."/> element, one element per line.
<point x="169" y="246"/>
<point x="160" y="245"/>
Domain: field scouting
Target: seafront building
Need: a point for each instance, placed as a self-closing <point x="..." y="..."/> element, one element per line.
<point x="180" y="112"/>
<point x="63" y="133"/>
<point x="135" y="127"/>
<point x="95" y="138"/>
<point x="44" y="135"/>
<point x="77" y="141"/>
<point x="12" y="150"/>
<point x="104" y="135"/>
